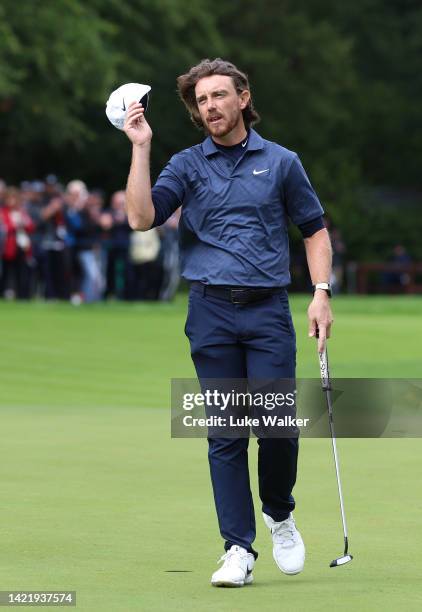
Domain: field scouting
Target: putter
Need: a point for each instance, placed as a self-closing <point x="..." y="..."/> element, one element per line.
<point x="326" y="387"/>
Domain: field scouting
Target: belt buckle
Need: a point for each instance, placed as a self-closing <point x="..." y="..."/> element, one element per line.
<point x="233" y="298"/>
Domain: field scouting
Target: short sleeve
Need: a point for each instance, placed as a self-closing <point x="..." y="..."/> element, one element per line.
<point x="169" y="191"/>
<point x="310" y="228"/>
<point x="301" y="201"/>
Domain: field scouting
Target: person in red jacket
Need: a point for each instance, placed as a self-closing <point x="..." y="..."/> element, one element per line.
<point x="16" y="250"/>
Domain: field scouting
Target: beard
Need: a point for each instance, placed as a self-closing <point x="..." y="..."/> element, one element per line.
<point x="224" y="126"/>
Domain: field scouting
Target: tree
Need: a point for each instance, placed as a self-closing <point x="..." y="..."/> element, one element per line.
<point x="304" y="85"/>
<point x="59" y="61"/>
<point x="56" y="60"/>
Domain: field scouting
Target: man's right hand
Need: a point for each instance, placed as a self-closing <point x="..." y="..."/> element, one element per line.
<point x="136" y="126"/>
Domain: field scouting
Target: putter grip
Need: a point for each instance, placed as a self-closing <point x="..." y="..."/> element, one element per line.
<point x="323" y="367"/>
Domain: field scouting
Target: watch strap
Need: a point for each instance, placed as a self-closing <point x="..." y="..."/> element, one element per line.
<point x="324" y="286"/>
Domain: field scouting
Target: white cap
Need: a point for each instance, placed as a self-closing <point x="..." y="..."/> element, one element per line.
<point x="120" y="99"/>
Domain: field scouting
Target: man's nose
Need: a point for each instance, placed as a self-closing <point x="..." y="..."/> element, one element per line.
<point x="210" y="104"/>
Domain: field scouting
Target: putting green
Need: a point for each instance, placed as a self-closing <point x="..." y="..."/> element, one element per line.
<point x="96" y="496"/>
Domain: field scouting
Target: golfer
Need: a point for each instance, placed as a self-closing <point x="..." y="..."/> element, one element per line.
<point x="237" y="192"/>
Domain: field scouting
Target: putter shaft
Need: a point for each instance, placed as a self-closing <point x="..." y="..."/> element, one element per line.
<point x="326" y="386"/>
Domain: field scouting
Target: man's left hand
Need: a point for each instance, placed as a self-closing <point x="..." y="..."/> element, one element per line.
<point x="320" y="318"/>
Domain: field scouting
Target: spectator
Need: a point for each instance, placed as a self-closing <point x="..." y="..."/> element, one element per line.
<point x="82" y="223"/>
<point x="170" y="256"/>
<point x="50" y="247"/>
<point x="146" y="268"/>
<point x="17" y="260"/>
<point x="397" y="280"/>
<point x="52" y="186"/>
<point x="2" y="227"/>
<point x="117" y="248"/>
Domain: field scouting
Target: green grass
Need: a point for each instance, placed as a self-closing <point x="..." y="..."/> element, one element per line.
<point x="96" y="496"/>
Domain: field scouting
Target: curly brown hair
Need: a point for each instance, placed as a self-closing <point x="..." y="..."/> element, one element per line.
<point x="186" y="87"/>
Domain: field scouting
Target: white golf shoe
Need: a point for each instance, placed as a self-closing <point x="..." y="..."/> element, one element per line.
<point x="288" y="547"/>
<point x="236" y="569"/>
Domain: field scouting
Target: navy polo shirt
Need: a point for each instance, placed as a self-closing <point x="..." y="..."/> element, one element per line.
<point x="233" y="226"/>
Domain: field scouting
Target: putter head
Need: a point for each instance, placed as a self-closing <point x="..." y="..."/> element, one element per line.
<point x="341" y="560"/>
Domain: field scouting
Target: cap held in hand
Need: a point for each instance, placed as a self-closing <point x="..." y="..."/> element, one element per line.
<point x="119" y="101"/>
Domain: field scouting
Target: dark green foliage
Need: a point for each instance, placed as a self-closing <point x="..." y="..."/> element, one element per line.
<point x="60" y="59"/>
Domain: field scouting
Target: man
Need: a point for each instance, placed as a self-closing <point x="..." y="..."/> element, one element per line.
<point x="237" y="191"/>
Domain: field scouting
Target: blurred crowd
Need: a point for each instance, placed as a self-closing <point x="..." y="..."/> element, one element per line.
<point x="70" y="243"/>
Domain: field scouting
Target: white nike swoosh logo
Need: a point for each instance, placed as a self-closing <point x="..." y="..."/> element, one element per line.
<point x="260" y="171"/>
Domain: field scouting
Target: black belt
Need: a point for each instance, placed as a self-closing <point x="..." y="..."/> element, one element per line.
<point x="238" y="295"/>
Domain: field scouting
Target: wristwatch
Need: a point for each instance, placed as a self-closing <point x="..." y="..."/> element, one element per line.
<point x="325" y="286"/>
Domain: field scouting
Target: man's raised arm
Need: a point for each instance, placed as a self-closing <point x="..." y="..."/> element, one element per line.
<point x="139" y="206"/>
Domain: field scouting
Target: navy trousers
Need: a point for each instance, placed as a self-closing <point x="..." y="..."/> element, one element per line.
<point x="252" y="341"/>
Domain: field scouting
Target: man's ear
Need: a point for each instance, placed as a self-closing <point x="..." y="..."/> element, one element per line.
<point x="245" y="96"/>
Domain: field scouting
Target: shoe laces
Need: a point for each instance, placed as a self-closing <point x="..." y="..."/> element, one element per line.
<point x="231" y="557"/>
<point x="285" y="533"/>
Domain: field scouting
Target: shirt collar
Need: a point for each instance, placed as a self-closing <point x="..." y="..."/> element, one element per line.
<point x="255" y="142"/>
